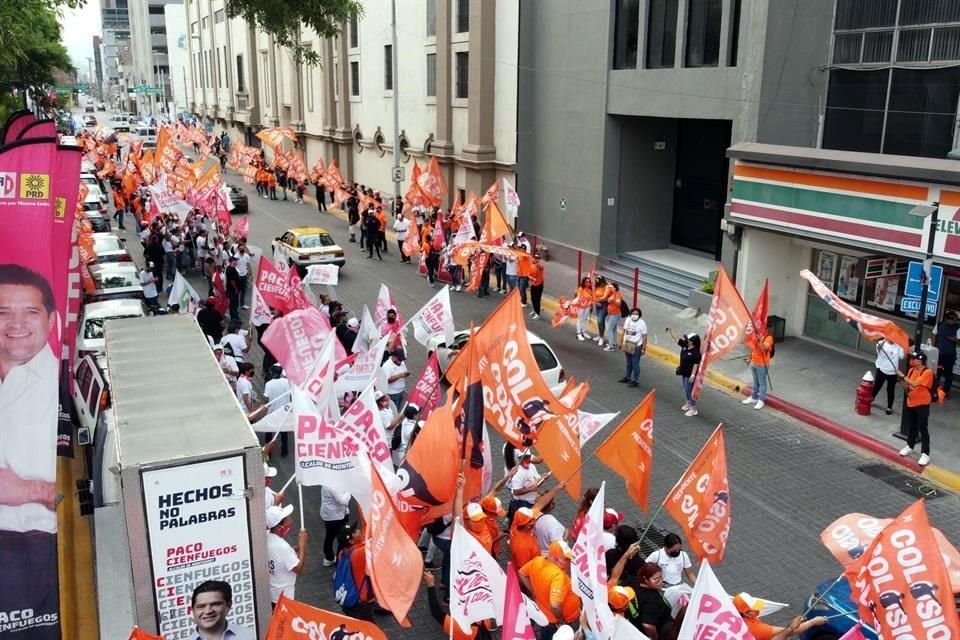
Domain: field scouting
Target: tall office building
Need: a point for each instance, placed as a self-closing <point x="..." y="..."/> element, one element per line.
<point x="150" y="53"/>
<point x="114" y="50"/>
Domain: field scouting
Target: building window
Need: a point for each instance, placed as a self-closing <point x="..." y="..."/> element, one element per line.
<point x="226" y="68"/>
<point x="204" y="22"/>
<point x="627" y="28"/>
<point x="388" y="67"/>
<point x="734" y="34"/>
<point x="921" y="120"/>
<point x="308" y="72"/>
<point x="354" y="31"/>
<point x="864" y="14"/>
<point x="241" y="87"/>
<point x="703" y="32"/>
<point x="264" y="80"/>
<point x="661" y="33"/>
<point x="355" y="78"/>
<point x="155" y="10"/>
<point x="914" y="45"/>
<point x="431" y="18"/>
<point x="193" y="28"/>
<point x="219" y="71"/>
<point x="219" y="16"/>
<point x="463" y="74"/>
<point x="855" y="104"/>
<point x="463" y="16"/>
<point x="431" y="75"/>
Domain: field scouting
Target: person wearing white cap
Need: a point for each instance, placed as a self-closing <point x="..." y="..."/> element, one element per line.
<point x="285" y="563"/>
<point x="277" y="393"/>
<point x="383" y="405"/>
<point x="228" y="365"/>
<point x="270" y="497"/>
<point x="408" y="427"/>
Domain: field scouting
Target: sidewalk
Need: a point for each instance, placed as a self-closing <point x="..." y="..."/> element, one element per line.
<point x="814" y="383"/>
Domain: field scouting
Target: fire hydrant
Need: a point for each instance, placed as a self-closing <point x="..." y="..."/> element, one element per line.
<point x="864" y="394"/>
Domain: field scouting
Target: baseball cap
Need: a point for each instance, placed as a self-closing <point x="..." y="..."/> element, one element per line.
<point x="524" y="516"/>
<point x="353" y="323"/>
<point x="559" y="549"/>
<point x="378" y="394"/>
<point x="275" y="515"/>
<point x="611" y="517"/>
<point x="746" y="603"/>
<point x="918" y="355"/>
<point x="564" y="632"/>
<point x="268" y="471"/>
<point x="526" y="453"/>
<point x="492" y="506"/>
<point x="475" y="511"/>
<point x="619" y="597"/>
<point x="218" y="347"/>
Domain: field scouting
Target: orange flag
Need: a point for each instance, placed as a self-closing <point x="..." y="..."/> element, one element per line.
<point x="292" y="620"/>
<point x="629" y="450"/>
<point x="139" y="634"/>
<point x="559" y="445"/>
<point x="900" y="584"/>
<point x="495" y="226"/>
<point x="700" y="501"/>
<point x="758" y="322"/>
<point x="726" y="326"/>
<point x="431" y="182"/>
<point x="394" y="563"/>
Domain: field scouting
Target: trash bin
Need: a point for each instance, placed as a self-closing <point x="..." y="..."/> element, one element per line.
<point x="777" y="327"/>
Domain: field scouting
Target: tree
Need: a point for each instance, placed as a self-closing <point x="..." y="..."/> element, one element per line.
<point x="283" y="19"/>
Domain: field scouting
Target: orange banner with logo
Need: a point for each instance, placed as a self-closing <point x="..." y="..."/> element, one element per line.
<point x="900" y="584"/>
<point x="495" y="226"/>
<point x="726" y="326"/>
<point x="629" y="450"/>
<point x="140" y="634"/>
<point x="394" y="563"/>
<point x="700" y="501"/>
<point x="848" y="537"/>
<point x="292" y="620"/>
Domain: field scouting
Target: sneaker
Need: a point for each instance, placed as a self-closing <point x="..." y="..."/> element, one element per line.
<point x="907" y="450"/>
<point x="523" y="305"/>
<point x="531" y="314"/>
<point x="692" y="411"/>
<point x="599" y="342"/>
<point x="599" y="339"/>
<point x="624" y="380"/>
<point x="608" y="348"/>
<point x="685" y="406"/>
<point x="329" y="563"/>
<point x="889" y="412"/>
<point x="924" y="460"/>
<point x="245" y="307"/>
<point x="581" y="337"/>
<point x="633" y="384"/>
<point x="535" y="316"/>
<point x="759" y="405"/>
<point x="747" y="400"/>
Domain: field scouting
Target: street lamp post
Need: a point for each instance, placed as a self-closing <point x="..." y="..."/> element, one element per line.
<point x="396" y="106"/>
<point x="931" y="211"/>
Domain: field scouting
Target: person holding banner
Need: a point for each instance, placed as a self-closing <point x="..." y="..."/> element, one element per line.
<point x="584" y="300"/>
<point x="285" y="563"/>
<point x="759" y="361"/>
<point x="546" y="578"/>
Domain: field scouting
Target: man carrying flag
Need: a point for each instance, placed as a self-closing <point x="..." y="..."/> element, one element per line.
<point x="761" y="350"/>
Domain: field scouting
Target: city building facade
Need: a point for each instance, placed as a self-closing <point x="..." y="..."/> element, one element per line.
<point x="115" y="51"/>
<point x="175" y="19"/>
<point x="150" y="55"/>
<point x="456" y="88"/>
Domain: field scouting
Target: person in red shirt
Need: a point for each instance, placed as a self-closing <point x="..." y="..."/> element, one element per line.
<point x="919" y="384"/>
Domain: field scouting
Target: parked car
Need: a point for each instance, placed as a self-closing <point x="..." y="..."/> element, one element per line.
<point x="114" y="281"/>
<point x="89" y="108"/>
<point x="92" y="320"/>
<point x="148" y="135"/>
<point x="305" y="246"/>
<point x="94" y="186"/>
<point x="109" y="248"/>
<point x="91" y="395"/>
<point x="547" y="360"/>
<point x="99" y="222"/>
<point x="94" y="204"/>
<point x="101" y="107"/>
<point x="239" y="200"/>
<point x="120" y="122"/>
<point x="89" y="121"/>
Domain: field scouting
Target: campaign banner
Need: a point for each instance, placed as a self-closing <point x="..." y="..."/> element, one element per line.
<point x="434" y="317"/>
<point x="34" y="297"/>
<point x="297" y="339"/>
<point x="588" y="570"/>
<point x="198" y="529"/>
<point x="426" y="392"/>
<point x="366" y="366"/>
<point x="272" y="284"/>
<point x="325" y="455"/>
<point x="323" y="274"/>
<point x="711" y="612"/>
<point x="362" y="421"/>
<point x="294" y="620"/>
<point x="477" y="583"/>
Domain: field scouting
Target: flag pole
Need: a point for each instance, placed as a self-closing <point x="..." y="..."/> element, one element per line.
<point x="300" y="495"/>
<point x="650" y="523"/>
<point x="819" y="597"/>
<point x="284" y="488"/>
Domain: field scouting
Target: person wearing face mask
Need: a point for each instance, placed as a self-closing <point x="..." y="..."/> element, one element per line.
<point x="634" y="345"/>
<point x="673" y="561"/>
<point x="285" y="563"/>
<point x="401" y="226"/>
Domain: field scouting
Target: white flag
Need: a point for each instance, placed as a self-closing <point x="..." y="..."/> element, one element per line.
<point x="322" y="274"/>
<point x="384" y="304"/>
<point x="465" y="233"/>
<point x="183" y="294"/>
<point x="588" y="571"/>
<point x="588" y="424"/>
<point x="478" y="585"/>
<point x="711" y="610"/>
<point x="280" y="418"/>
<point x="364" y="369"/>
<point x="362" y="421"/>
<point x="367" y="334"/>
<point x="511" y="201"/>
<point x="324" y="455"/>
<point x="260" y="313"/>
<point x="318" y="384"/>
<point x="434" y="317"/>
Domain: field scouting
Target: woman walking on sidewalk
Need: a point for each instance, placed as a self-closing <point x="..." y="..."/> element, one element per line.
<point x="689" y="365"/>
<point x="584" y="300"/>
<point x="919" y="384"/>
<point x="889" y="355"/>
<point x="633" y="346"/>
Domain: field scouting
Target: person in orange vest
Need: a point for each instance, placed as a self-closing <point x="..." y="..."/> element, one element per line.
<point x="759" y="361"/>
<point x="119" y="204"/>
<point x="382" y="229"/>
<point x="585" y="301"/>
<point x="272" y="184"/>
<point x="536" y="285"/>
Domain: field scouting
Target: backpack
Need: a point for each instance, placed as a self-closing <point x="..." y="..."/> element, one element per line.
<point x="345" y="590"/>
<point x="624" y="309"/>
<point x="935" y="395"/>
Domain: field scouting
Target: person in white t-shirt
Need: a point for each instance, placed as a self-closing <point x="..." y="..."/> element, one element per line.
<point x="242" y="254"/>
<point x="401" y="226"/>
<point x="228" y="365"/>
<point x="271" y="498"/>
<point x="387" y="413"/>
<point x="634" y="333"/>
<point x="397" y="374"/>
<point x="673" y="561"/>
<point x="276" y="391"/>
<point x="611" y="520"/>
<point x="238" y="340"/>
<point x="334" y="511"/>
<point x="285" y="563"/>
<point x="149" y="284"/>
<point x="548" y="529"/>
<point x="889" y="355"/>
<point x="524" y="484"/>
<point x="244" y="388"/>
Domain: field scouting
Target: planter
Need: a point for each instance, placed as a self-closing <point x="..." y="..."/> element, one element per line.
<point x="701" y="300"/>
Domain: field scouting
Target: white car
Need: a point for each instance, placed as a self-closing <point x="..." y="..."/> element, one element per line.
<point x="148" y="135"/>
<point x="94" y="187"/>
<point x="547" y="360"/>
<point x="109" y="248"/>
<point x="92" y="320"/>
<point x="91" y="395"/>
<point x="114" y="281"/>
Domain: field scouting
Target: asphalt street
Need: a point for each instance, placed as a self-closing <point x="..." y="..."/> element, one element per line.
<point x="787" y="481"/>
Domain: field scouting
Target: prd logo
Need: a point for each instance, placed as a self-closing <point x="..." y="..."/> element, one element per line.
<point x="35" y="186"/>
<point x="8" y="184"/>
<point x="60" y="208"/>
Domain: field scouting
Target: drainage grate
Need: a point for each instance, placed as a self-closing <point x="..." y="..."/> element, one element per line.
<point x="652" y="541"/>
<point x="907" y="483"/>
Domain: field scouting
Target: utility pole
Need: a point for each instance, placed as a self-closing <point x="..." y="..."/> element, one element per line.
<point x="396" y="107"/>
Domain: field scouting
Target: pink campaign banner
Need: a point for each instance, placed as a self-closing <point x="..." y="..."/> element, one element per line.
<point x="272" y="285"/>
<point x="35" y="233"/>
<point x="16" y="123"/>
<point x="297" y="339"/>
<point x="39" y="129"/>
<point x="426" y="393"/>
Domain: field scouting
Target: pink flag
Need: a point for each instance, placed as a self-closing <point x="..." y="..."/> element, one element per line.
<point x="438" y="235"/>
<point x="516" y="622"/>
<point x="297" y="339"/>
<point x="272" y="285"/>
<point x="855" y="633"/>
<point x="319" y="383"/>
<point x="362" y="422"/>
<point x="296" y="296"/>
<point x="384" y="304"/>
<point x="588" y="571"/>
<point x="242" y="227"/>
<point x="426" y="393"/>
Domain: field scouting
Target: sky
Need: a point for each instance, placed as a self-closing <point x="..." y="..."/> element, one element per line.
<point x="79" y="27"/>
